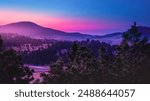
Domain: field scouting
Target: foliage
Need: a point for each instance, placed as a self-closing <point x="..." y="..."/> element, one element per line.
<point x="11" y="68"/>
<point x="131" y="55"/>
<point x="83" y="62"/>
<point x="78" y="69"/>
<point x="128" y="62"/>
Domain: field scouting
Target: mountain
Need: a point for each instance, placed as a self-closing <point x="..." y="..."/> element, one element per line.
<point x="145" y="31"/>
<point x="33" y="30"/>
<point x="116" y="38"/>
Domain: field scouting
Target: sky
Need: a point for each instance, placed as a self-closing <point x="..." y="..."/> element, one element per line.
<point x="96" y="17"/>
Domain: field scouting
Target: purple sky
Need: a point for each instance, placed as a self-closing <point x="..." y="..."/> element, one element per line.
<point x="85" y="16"/>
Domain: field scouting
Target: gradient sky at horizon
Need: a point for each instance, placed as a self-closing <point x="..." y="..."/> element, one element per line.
<point x="85" y="16"/>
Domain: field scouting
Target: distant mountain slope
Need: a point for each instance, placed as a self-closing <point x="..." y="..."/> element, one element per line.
<point x="145" y="31"/>
<point x="116" y="38"/>
<point x="35" y="31"/>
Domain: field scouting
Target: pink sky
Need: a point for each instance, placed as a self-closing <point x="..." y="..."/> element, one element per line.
<point x="68" y="24"/>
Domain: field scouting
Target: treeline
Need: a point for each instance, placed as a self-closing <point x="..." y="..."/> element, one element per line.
<point x="57" y="50"/>
<point x="87" y="62"/>
<point x="128" y="62"/>
<point x="11" y="40"/>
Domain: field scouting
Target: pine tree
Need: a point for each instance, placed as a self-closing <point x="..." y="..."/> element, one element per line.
<point x="133" y="36"/>
<point x="81" y="67"/>
<point x="84" y="68"/>
<point x="130" y="56"/>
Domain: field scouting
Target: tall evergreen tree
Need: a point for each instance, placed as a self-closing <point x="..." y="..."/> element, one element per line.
<point x="133" y="36"/>
<point x="131" y="55"/>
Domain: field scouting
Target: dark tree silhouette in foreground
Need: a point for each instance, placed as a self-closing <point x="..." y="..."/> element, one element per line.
<point x="128" y="62"/>
<point x="80" y="68"/>
<point x="131" y="55"/>
<point x="12" y="69"/>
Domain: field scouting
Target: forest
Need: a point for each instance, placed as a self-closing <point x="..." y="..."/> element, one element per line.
<point x="82" y="62"/>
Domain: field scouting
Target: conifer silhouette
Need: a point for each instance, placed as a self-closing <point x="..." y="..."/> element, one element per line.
<point x="12" y="69"/>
